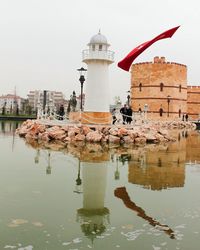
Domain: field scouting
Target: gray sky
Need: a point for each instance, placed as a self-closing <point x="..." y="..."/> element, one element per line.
<point x="41" y="40"/>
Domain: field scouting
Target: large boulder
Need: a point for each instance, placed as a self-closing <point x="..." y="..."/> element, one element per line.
<point x="114" y="139"/>
<point x="94" y="136"/>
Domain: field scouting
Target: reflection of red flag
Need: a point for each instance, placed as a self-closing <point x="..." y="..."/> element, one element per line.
<point x="127" y="61"/>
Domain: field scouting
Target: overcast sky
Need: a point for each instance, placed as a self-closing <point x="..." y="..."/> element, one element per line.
<point x="41" y="40"/>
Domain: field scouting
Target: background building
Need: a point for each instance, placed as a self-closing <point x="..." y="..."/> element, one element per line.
<point x="160" y="88"/>
<point x="10" y="104"/>
<point x="45" y="98"/>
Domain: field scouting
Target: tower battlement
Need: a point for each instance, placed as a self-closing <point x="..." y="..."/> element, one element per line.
<point x="159" y="60"/>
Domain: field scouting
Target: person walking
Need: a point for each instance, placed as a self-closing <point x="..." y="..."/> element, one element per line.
<point x="123" y="111"/>
<point x="61" y="112"/>
<point x="114" y="118"/>
<point x="129" y="115"/>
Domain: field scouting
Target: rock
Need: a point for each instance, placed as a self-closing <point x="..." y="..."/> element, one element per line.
<point x="71" y="133"/>
<point x="113" y="131"/>
<point x="133" y="134"/>
<point x="105" y="138"/>
<point x="79" y="137"/>
<point x="140" y="140"/>
<point x="113" y="139"/>
<point x="151" y="138"/>
<point x="44" y="136"/>
<point x="29" y="136"/>
<point x="58" y="134"/>
<point x="41" y="128"/>
<point x="128" y="139"/>
<point x="163" y="131"/>
<point x="153" y="132"/>
<point x="122" y="132"/>
<point x="94" y="136"/>
<point x="85" y="130"/>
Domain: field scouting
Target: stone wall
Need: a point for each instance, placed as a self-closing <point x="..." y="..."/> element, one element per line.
<point x="193" y="102"/>
<point x="162" y="86"/>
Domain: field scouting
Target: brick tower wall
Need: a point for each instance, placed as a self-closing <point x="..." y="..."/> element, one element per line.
<point x="193" y="102"/>
<point x="162" y="86"/>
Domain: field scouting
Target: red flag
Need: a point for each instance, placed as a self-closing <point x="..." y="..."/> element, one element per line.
<point x="127" y="61"/>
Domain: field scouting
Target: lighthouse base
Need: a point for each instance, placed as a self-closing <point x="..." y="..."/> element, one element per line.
<point x="99" y="118"/>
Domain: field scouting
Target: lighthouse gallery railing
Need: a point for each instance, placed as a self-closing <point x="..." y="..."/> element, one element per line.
<point x="98" y="54"/>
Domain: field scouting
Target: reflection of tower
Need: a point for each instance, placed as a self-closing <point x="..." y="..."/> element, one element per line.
<point x="93" y="216"/>
<point x="160" y="170"/>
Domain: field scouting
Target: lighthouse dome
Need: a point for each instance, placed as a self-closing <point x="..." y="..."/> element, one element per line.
<point x="98" y="39"/>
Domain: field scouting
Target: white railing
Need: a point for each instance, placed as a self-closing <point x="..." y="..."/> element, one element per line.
<point x="51" y="115"/>
<point x="98" y="55"/>
<point x="54" y="116"/>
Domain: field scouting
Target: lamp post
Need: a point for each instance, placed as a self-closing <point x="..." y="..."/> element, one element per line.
<point x="168" y="101"/>
<point x="146" y="107"/>
<point x="82" y="80"/>
<point x="128" y="97"/>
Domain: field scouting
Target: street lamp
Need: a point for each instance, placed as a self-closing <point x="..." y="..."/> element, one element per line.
<point x="82" y="72"/>
<point x="128" y="97"/>
<point x="168" y="101"/>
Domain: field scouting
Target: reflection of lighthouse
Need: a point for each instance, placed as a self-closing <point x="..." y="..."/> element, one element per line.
<point x="94" y="185"/>
<point x="93" y="216"/>
<point x="97" y="94"/>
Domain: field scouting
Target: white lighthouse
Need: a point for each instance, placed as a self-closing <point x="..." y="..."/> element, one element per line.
<point x="97" y="91"/>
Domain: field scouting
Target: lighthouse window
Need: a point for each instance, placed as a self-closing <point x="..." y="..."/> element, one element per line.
<point x="100" y="46"/>
<point x="180" y="88"/>
<point x="161" y="86"/>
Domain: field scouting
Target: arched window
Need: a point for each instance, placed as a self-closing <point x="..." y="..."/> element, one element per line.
<point x="140" y="87"/>
<point x="100" y="47"/>
<point x="161" y="86"/>
<point x="179" y="113"/>
<point x="180" y="88"/>
<point x="161" y="112"/>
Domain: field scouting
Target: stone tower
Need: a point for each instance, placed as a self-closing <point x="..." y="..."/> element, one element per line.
<point x="159" y="88"/>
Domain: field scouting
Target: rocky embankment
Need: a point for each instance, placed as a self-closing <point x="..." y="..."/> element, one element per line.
<point x="145" y="133"/>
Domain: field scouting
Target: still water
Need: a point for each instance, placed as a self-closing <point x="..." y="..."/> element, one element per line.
<point x="94" y="197"/>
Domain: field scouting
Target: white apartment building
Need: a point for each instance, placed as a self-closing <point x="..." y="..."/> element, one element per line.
<point x="10" y="103"/>
<point x="45" y="98"/>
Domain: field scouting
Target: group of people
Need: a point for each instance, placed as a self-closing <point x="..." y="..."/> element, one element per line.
<point x="185" y="117"/>
<point x="126" y="112"/>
